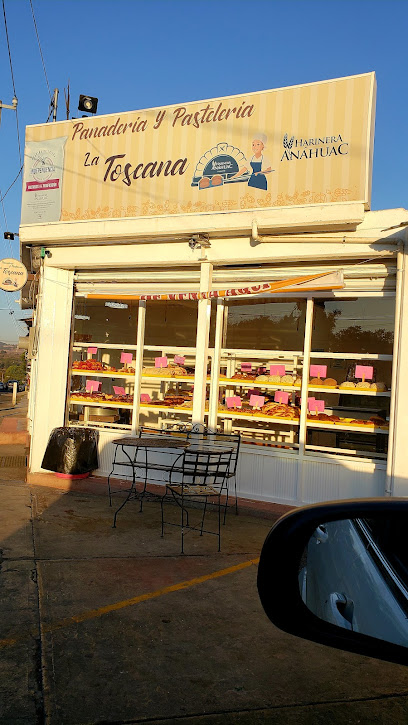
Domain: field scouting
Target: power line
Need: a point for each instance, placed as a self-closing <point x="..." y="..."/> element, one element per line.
<point x="12" y="77"/>
<point x="39" y="47"/>
<point x="12" y="184"/>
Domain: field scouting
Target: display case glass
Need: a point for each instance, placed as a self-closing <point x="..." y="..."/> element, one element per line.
<point x="309" y="376"/>
<point x="169" y="359"/>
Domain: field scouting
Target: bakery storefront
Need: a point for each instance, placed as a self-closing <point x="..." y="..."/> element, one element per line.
<point x="218" y="263"/>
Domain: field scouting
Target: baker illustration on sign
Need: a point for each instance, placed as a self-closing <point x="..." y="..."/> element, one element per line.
<point x="259" y="165"/>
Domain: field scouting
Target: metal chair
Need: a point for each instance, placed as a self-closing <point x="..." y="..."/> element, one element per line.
<point x="197" y="475"/>
<point x="213" y="439"/>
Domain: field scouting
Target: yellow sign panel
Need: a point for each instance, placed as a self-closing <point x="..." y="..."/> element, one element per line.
<point x="309" y="144"/>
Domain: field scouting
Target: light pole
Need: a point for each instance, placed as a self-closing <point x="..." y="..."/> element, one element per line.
<point x="13" y="107"/>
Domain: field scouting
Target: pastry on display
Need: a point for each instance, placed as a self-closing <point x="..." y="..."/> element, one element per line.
<point x="330" y="383"/>
<point x="89" y="365"/>
<point x="378" y="387"/>
<point x="127" y="370"/>
<point x="316" y="381"/>
<point x="347" y="385"/>
<point x="274" y="379"/>
<point x="262" y="379"/>
<point x="377" y="420"/>
<point x="298" y="382"/>
<point x="363" y="386"/>
<point x="244" y="376"/>
<point x="287" y="379"/>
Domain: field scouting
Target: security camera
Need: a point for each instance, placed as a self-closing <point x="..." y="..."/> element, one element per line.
<point x="193" y="244"/>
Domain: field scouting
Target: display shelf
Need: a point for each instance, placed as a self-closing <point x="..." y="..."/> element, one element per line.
<point x="166" y="409"/>
<point x="166" y="378"/>
<point x="95" y="424"/>
<point x="349" y="391"/>
<point x="226" y="382"/>
<point x="101" y="374"/>
<point x="344" y="451"/>
<point x="102" y="346"/>
<point x="350" y="428"/>
<point x="100" y="403"/>
<point x="246" y="416"/>
<point x="349" y="356"/>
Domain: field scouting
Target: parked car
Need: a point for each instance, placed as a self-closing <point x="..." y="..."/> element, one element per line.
<point x="341" y="571"/>
<point x="20" y="385"/>
<point x="3" y="387"/>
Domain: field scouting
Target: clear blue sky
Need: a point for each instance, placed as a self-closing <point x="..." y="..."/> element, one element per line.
<point x="135" y="54"/>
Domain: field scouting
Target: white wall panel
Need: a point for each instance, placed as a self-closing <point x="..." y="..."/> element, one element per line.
<point x="54" y="325"/>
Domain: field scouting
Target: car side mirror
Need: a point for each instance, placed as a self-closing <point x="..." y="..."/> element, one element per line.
<point x="337" y="574"/>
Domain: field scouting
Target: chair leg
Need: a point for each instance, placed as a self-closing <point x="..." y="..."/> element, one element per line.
<point x="203" y="516"/>
<point x="219" y="522"/>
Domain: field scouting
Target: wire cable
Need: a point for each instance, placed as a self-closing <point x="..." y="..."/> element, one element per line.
<point x="39" y="47"/>
<point x="12" y="184"/>
<point x="12" y="77"/>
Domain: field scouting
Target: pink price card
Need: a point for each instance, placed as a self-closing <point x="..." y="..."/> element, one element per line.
<point x="315" y="406"/>
<point x="92" y="350"/>
<point x="277" y="370"/>
<point x="318" y="371"/>
<point x="126" y="357"/>
<point x="234" y="402"/>
<point x="246" y="367"/>
<point x="118" y="390"/>
<point x="145" y="398"/>
<point x="161" y="362"/>
<point x="93" y="386"/>
<point x="257" y="401"/>
<point x="281" y="397"/>
<point x="365" y="372"/>
<point x="179" y="360"/>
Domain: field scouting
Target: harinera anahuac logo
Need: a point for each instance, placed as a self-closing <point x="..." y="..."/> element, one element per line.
<point x="298" y="148"/>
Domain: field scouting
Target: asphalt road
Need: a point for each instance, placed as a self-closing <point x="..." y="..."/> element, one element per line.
<point x="106" y="626"/>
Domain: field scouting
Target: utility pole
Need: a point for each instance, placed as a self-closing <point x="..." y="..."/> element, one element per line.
<point x="13" y="107"/>
<point x="54" y="104"/>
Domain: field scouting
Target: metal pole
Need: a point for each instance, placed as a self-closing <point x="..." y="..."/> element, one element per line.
<point x="55" y="104"/>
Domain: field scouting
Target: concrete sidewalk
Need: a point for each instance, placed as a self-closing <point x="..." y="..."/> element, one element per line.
<point x="102" y="625"/>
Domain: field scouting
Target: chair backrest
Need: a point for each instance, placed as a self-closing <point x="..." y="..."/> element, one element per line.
<point x="175" y="431"/>
<point x="204" y="466"/>
<point x="213" y="440"/>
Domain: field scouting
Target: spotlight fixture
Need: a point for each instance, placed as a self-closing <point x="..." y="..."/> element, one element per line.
<point x="87" y="104"/>
<point x="10" y="235"/>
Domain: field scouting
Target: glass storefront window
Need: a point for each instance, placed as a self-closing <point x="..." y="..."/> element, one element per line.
<point x="257" y="387"/>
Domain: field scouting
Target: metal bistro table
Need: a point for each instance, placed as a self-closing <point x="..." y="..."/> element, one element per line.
<point x="154" y="442"/>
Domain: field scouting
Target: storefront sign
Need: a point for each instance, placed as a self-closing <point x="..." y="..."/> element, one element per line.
<point x="42" y="182"/>
<point x="307" y="144"/>
<point x="311" y="282"/>
<point x="13" y="275"/>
